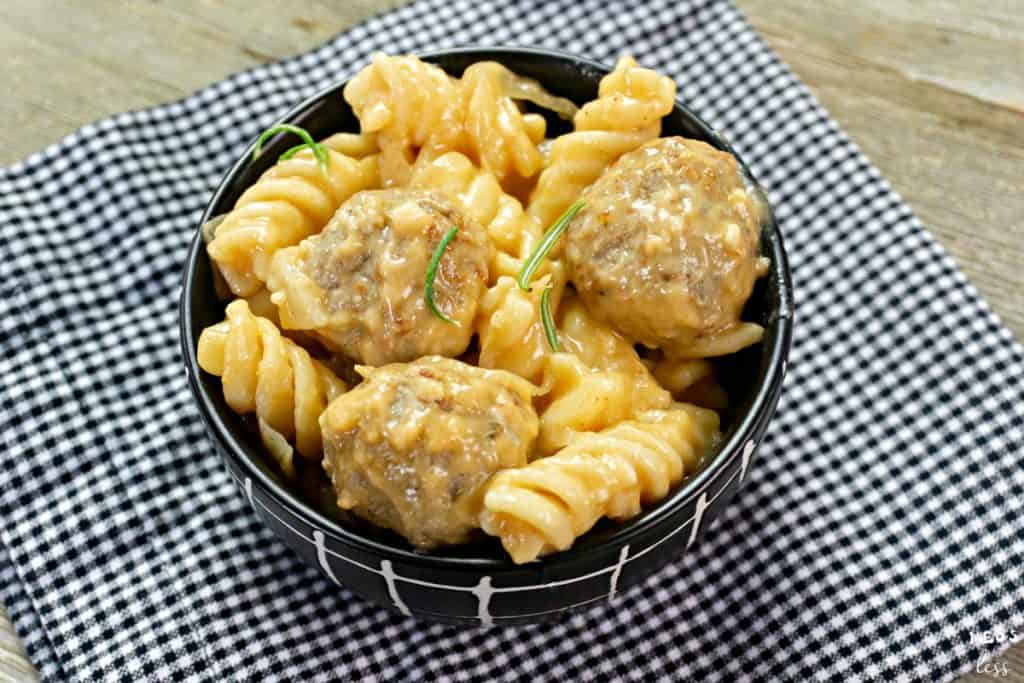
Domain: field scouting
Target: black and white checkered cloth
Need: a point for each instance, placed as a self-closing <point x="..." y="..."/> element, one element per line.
<point x="881" y="526"/>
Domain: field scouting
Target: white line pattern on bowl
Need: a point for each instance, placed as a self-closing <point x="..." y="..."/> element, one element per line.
<point x="748" y="450"/>
<point x="613" y="583"/>
<point x="321" y="557"/>
<point x="691" y="519"/>
<point x="483" y="590"/>
<point x="389" y="578"/>
<point x="702" y="504"/>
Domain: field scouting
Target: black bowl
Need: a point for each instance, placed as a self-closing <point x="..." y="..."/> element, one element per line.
<point x="477" y="583"/>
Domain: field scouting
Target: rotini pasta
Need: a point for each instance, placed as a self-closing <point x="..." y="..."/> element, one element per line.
<point x="598" y="382"/>
<point x="502" y="138"/>
<point x="479" y="193"/>
<point x="678" y="375"/>
<point x="691" y="380"/>
<point x="627" y="113"/>
<point x="354" y="145"/>
<point x="508" y="320"/>
<point x="545" y="506"/>
<point x="598" y="345"/>
<point x="510" y="331"/>
<point x="265" y="373"/>
<point x="731" y="340"/>
<point x="413" y="107"/>
<point x="419" y="112"/>
<point x="261" y="305"/>
<point x="580" y="399"/>
<point x="292" y="200"/>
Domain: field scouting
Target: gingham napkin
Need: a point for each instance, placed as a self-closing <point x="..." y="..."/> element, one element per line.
<point x="880" y="535"/>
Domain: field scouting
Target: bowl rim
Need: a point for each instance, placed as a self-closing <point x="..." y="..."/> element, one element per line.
<point x="762" y="407"/>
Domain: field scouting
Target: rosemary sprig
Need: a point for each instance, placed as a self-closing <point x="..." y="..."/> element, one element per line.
<point x="549" y="323"/>
<point x="546" y="243"/>
<point x="292" y="151"/>
<point x="428" y="289"/>
<point x="319" y="151"/>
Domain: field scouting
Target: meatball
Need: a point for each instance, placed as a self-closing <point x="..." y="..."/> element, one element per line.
<point x="358" y="285"/>
<point x="666" y="248"/>
<point x="411" y="447"/>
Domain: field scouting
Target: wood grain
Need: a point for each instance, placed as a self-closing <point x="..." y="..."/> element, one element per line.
<point x="932" y="91"/>
<point x="14" y="665"/>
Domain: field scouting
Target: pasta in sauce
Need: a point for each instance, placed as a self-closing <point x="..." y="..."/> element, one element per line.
<point x="528" y="323"/>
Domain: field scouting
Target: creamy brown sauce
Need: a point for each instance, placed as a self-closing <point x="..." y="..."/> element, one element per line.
<point x="410" y="448"/>
<point x="667" y="248"/>
<point x="359" y="285"/>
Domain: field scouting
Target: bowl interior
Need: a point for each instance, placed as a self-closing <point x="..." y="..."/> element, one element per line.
<point x="750" y="377"/>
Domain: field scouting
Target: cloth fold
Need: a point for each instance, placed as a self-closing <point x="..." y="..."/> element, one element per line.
<point x="880" y="532"/>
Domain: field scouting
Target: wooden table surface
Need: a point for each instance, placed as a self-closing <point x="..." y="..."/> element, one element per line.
<point x="932" y="91"/>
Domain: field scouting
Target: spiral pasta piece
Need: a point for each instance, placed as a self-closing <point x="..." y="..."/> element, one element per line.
<point x="478" y="192"/>
<point x="597" y="382"/>
<point x="412" y="107"/>
<point x="545" y="506"/>
<point x="353" y="145"/>
<point x="627" y="113"/>
<point x="580" y="398"/>
<point x="677" y="374"/>
<point x="691" y="380"/>
<point x="508" y="319"/>
<point x="499" y="135"/>
<point x="265" y="373"/>
<point x="261" y="305"/>
<point x="510" y="330"/>
<point x="732" y="340"/>
<point x="597" y="344"/>
<point x="292" y="200"/>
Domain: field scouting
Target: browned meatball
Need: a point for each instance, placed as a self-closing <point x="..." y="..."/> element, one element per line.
<point x="411" y="447"/>
<point x="666" y="247"/>
<point x="358" y="285"/>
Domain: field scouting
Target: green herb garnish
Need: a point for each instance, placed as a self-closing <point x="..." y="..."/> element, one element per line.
<point x="292" y="151"/>
<point x="546" y="243"/>
<point x="435" y="260"/>
<point x="319" y="151"/>
<point x="549" y="323"/>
